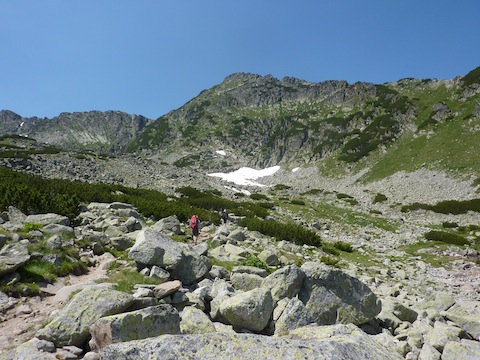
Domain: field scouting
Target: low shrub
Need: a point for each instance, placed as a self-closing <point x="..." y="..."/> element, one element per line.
<point x="258" y="197"/>
<point x="449" y="225"/>
<point x="291" y="231"/>
<point x="330" y="249"/>
<point x="297" y="202"/>
<point x="447" y="207"/>
<point x="329" y="261"/>
<point x="252" y="260"/>
<point x="343" y="246"/>
<point x="379" y="198"/>
<point x="446" y="237"/>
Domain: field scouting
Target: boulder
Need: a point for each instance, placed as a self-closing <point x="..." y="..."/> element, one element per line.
<point x="250" y="270"/>
<point x="58" y="229"/>
<point x="72" y="324"/>
<point x="293" y="316"/>
<point x="333" y="297"/>
<point x="12" y="256"/>
<point x="236" y="251"/>
<point x="250" y="310"/>
<point x="441" y="335"/>
<point x="166" y="289"/>
<point x="237" y="235"/>
<point x="285" y="282"/>
<point x="349" y="343"/>
<point x="219" y="272"/>
<point x="33" y="349"/>
<point x="195" y="321"/>
<point x="469" y="322"/>
<point x="159" y="274"/>
<point x="6" y="302"/>
<point x="465" y="350"/>
<point x="54" y="242"/>
<point x="245" y="282"/>
<point x="133" y="224"/>
<point x="400" y="311"/>
<point x="153" y="248"/>
<point x="121" y="243"/>
<point x="191" y="267"/>
<point x="428" y="352"/>
<point x="47" y="219"/>
<point x="140" y="324"/>
<point x="169" y="225"/>
<point x="270" y="256"/>
<point x="15" y="215"/>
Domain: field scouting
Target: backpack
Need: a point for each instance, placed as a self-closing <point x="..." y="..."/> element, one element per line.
<point x="193" y="221"/>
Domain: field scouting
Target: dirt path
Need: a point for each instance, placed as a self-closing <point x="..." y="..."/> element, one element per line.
<point x="21" y="323"/>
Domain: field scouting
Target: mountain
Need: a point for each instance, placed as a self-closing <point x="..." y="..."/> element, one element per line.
<point x="107" y="132"/>
<point x="259" y="121"/>
<point x="262" y="121"/>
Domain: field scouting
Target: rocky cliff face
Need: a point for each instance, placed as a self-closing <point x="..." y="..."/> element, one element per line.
<point x="107" y="132"/>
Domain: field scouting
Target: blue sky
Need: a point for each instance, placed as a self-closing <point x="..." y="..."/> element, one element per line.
<point x="151" y="56"/>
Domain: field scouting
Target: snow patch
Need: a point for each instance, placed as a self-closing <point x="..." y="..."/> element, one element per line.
<point x="296" y="169"/>
<point x="221" y="152"/>
<point x="245" y="175"/>
<point x="21" y="124"/>
<point x="231" y="188"/>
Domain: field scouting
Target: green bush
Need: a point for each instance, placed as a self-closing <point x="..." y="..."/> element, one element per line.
<point x="281" y="187"/>
<point x="446" y="237"/>
<point x="291" y="232"/>
<point x="343" y="246"/>
<point x="329" y="261"/>
<point x="379" y="198"/>
<point x="330" y="249"/>
<point x="313" y="192"/>
<point x="449" y="225"/>
<point x="297" y="202"/>
<point x="252" y="260"/>
<point x="258" y="197"/>
<point x="447" y="207"/>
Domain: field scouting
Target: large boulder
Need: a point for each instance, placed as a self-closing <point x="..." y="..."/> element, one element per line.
<point x="345" y="343"/>
<point x="46" y="219"/>
<point x="333" y="297"/>
<point x="195" y="321"/>
<point x="183" y="263"/>
<point x="191" y="267"/>
<point x="153" y="248"/>
<point x="285" y="282"/>
<point x="465" y="350"/>
<point x="220" y="291"/>
<point x="469" y="321"/>
<point x="15" y="215"/>
<point x="168" y="225"/>
<point x="441" y="335"/>
<point x="72" y="324"/>
<point x="12" y="256"/>
<point x="294" y="315"/>
<point x="270" y="256"/>
<point x="245" y="282"/>
<point x="33" y="349"/>
<point x="249" y="310"/>
<point x="140" y="324"/>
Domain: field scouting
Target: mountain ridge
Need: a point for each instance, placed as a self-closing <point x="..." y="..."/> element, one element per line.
<point x="260" y="121"/>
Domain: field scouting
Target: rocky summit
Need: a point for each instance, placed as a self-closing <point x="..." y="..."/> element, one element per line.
<point x="353" y="227"/>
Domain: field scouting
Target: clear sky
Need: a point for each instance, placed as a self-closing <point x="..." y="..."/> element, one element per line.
<point x="151" y="56"/>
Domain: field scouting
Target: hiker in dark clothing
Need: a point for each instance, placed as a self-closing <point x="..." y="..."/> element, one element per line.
<point x="224" y="216"/>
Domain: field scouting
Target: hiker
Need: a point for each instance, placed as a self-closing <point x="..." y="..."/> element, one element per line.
<point x="194" y="224"/>
<point x="224" y="216"/>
